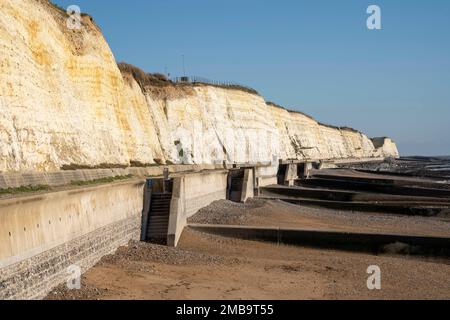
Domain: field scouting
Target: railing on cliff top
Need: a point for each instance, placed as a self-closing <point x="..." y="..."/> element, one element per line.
<point x="200" y="80"/>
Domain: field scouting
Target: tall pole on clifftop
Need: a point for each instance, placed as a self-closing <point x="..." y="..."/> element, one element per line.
<point x="184" y="67"/>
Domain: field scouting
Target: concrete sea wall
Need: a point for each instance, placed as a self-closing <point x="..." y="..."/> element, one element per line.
<point x="42" y="235"/>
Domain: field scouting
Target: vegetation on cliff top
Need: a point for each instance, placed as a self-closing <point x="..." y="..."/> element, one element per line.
<point x="64" y="11"/>
<point x="57" y="7"/>
<point x="273" y="104"/>
<point x="145" y="79"/>
<point x="345" y="128"/>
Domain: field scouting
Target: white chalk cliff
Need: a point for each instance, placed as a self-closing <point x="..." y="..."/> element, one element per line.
<point x="64" y="103"/>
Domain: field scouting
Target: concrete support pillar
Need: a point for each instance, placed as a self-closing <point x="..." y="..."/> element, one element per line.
<point x="307" y="167"/>
<point x="248" y="185"/>
<point x="291" y="174"/>
<point x="177" y="218"/>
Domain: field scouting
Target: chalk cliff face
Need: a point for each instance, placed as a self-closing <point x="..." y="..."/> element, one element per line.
<point x="302" y="137"/>
<point x="65" y="104"/>
<point x="386" y="147"/>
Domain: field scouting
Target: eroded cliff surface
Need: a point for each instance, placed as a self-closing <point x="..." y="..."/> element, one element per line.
<point x="63" y="100"/>
<point x="65" y="104"/>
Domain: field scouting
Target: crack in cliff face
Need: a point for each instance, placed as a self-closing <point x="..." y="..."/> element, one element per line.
<point x="219" y="139"/>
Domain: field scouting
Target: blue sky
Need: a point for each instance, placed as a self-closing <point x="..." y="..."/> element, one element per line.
<point x="314" y="56"/>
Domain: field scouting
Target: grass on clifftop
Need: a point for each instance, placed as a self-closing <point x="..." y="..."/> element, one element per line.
<point x="344" y="128"/>
<point x="63" y="11"/>
<point x="143" y="78"/>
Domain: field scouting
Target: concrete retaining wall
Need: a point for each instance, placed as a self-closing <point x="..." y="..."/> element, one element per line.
<point x="42" y="235"/>
<point x="191" y="193"/>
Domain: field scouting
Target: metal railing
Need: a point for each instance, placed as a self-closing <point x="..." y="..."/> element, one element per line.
<point x="200" y="80"/>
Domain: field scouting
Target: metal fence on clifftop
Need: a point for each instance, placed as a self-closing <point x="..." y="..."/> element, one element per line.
<point x="201" y="80"/>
